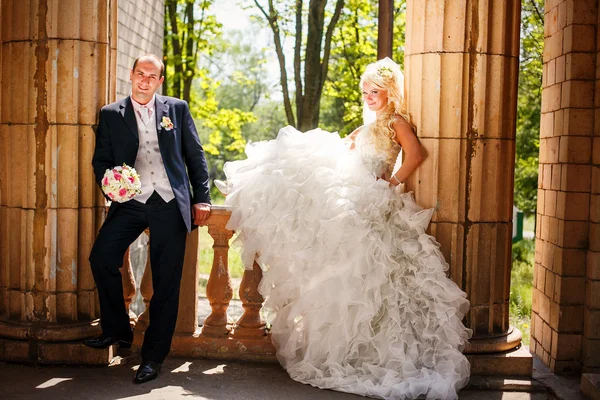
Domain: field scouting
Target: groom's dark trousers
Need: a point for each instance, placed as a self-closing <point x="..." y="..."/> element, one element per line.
<point x="167" y="248"/>
<point x="117" y="143"/>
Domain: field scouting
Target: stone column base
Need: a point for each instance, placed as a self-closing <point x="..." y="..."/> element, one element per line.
<point x="51" y="343"/>
<point x="227" y="348"/>
<point x="517" y="362"/>
<point x="42" y="352"/>
<point x="590" y="386"/>
<point x="510" y="340"/>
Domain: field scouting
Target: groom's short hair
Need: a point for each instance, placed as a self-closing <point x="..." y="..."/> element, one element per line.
<point x="153" y="56"/>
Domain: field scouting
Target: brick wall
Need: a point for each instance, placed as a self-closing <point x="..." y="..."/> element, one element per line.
<point x="591" y="312"/>
<point x="567" y="216"/>
<point x="140" y="31"/>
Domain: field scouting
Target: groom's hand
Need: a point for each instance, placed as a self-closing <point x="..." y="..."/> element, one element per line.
<point x="200" y="212"/>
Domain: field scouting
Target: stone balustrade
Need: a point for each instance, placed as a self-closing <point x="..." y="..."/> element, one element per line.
<point x="217" y="336"/>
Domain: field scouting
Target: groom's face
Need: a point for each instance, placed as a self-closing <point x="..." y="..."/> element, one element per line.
<point x="145" y="80"/>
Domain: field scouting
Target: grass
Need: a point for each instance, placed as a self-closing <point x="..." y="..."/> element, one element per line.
<point x="521" y="286"/>
<point x="529" y="222"/>
<point x="205" y="260"/>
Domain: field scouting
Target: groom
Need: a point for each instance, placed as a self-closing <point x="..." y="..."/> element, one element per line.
<point x="156" y="135"/>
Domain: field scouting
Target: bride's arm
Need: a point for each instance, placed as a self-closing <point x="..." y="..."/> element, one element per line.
<point x="413" y="153"/>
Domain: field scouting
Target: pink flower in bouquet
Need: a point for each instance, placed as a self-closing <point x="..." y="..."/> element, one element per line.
<point x="118" y="176"/>
<point x="122" y="192"/>
<point x="105" y="181"/>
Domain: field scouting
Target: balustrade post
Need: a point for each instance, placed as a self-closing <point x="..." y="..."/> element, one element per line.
<point x="128" y="280"/>
<point x="218" y="289"/>
<point x="250" y="325"/>
<point x="219" y="338"/>
<point x="146" y="291"/>
<point x="187" y="315"/>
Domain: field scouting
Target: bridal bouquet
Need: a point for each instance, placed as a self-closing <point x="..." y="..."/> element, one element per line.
<point x="121" y="183"/>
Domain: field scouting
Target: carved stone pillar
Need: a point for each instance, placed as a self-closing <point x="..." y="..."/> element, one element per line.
<point x="461" y="65"/>
<point x="128" y="281"/>
<point x="187" y="316"/>
<point x="146" y="290"/>
<point x="250" y="325"/>
<point x="55" y="75"/>
<point x="218" y="288"/>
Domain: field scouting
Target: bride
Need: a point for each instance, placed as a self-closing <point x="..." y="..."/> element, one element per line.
<point x="358" y="290"/>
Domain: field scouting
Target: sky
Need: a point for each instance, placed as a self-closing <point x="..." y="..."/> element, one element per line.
<point x="231" y="15"/>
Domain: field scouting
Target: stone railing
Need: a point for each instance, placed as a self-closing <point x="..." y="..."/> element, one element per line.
<point x="217" y="337"/>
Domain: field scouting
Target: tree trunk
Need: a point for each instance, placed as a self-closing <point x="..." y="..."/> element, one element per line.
<point x="315" y="67"/>
<point x="313" y="79"/>
<point x="316" y="59"/>
<point x="165" y="84"/>
<point x="271" y="18"/>
<point x="298" y="62"/>
<point x="171" y="7"/>
<point x="190" y="68"/>
<point x="385" y="29"/>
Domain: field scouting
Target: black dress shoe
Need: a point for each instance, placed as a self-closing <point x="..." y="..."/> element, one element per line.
<point x="147" y="371"/>
<point x="102" y="342"/>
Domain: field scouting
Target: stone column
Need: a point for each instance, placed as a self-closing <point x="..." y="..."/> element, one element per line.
<point x="564" y="331"/>
<point x="461" y="63"/>
<point x="55" y="75"/>
<point x="591" y="312"/>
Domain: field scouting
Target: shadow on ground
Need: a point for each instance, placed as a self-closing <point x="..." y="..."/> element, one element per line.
<point x="183" y="378"/>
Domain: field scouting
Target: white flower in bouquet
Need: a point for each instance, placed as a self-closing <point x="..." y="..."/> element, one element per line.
<point x="121" y="183"/>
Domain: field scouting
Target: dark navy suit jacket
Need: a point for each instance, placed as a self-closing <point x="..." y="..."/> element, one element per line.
<point x="117" y="142"/>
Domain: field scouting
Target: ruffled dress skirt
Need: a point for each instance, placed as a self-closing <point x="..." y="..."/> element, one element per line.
<point x="358" y="292"/>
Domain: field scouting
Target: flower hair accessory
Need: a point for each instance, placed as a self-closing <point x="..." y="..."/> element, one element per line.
<point x="166" y="123"/>
<point x="385" y="72"/>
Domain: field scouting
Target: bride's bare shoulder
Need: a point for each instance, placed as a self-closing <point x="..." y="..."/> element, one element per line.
<point x="403" y="129"/>
<point x="400" y="121"/>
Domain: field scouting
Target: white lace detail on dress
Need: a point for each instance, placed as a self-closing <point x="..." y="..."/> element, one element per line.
<point x="379" y="162"/>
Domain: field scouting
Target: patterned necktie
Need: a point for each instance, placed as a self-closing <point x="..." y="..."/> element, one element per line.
<point x="145" y="114"/>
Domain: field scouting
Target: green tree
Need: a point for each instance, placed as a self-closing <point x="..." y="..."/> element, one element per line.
<point x="190" y="30"/>
<point x="192" y="34"/>
<point x="311" y="53"/>
<point x="247" y="84"/>
<point x="529" y="105"/>
<point x="354" y="46"/>
<point x="237" y="79"/>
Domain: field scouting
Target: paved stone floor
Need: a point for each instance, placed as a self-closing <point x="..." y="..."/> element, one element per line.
<point x="205" y="379"/>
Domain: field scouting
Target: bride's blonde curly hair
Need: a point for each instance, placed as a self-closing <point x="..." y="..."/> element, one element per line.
<point x="385" y="75"/>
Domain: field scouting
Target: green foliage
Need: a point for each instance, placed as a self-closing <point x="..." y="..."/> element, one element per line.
<point x="521" y="286"/>
<point x="529" y="104"/>
<point x="246" y="84"/>
<point x="311" y="25"/>
<point x="354" y="45"/>
<point x="192" y="36"/>
<point x="190" y="31"/>
<point x="236" y="106"/>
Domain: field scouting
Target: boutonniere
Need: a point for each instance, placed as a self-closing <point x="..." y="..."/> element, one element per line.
<point x="166" y="123"/>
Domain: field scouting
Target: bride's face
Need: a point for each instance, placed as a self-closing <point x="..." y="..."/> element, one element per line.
<point x="374" y="97"/>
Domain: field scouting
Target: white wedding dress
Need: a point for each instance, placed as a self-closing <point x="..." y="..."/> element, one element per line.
<point x="358" y="290"/>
